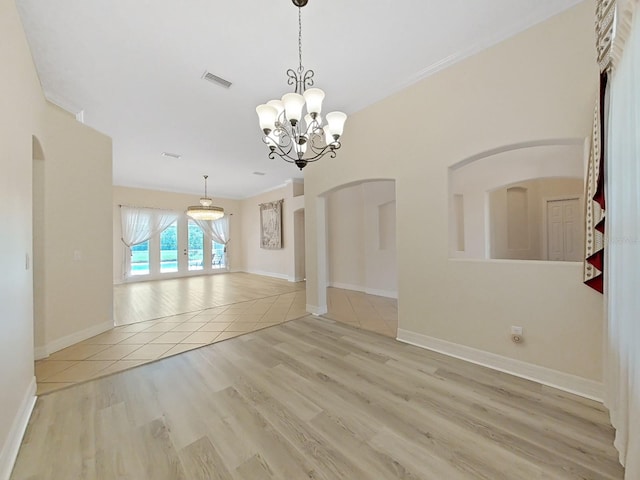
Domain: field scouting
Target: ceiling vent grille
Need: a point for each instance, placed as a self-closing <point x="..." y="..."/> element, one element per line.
<point x="172" y="155"/>
<point x="216" y="79"/>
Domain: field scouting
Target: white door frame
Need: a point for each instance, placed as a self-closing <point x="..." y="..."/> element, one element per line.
<point x="545" y="201"/>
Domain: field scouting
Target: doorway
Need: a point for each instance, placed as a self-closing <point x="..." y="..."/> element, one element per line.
<point x="359" y="229"/>
<point x="564" y="232"/>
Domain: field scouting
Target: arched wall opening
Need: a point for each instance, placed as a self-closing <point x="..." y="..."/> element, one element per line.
<point x="501" y="195"/>
<point x="357" y="240"/>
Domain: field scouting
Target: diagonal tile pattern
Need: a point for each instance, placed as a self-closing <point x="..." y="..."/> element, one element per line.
<point x="368" y="312"/>
<point x="131" y="345"/>
<point x="127" y="346"/>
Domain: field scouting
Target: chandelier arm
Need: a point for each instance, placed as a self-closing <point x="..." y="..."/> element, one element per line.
<point x="272" y="156"/>
<point x="320" y="152"/>
<point x="285" y="138"/>
<point x="278" y="149"/>
<point x="282" y="155"/>
<point x="315" y="148"/>
<point x="325" y="151"/>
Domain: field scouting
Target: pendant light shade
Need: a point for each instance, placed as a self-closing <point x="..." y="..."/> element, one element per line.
<point x="206" y="210"/>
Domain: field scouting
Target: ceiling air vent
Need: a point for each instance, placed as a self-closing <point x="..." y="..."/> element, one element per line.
<point x="172" y="155"/>
<point x="216" y="79"/>
<point x="258" y="173"/>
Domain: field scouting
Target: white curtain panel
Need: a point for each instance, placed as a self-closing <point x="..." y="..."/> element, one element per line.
<point x="218" y="230"/>
<point x="624" y="19"/>
<point x="139" y="225"/>
<point x="622" y="369"/>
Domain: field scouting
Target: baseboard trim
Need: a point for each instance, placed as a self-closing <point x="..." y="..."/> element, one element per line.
<point x="295" y="279"/>
<point x="281" y="276"/>
<point x="9" y="452"/>
<point x="381" y="293"/>
<point x="317" y="310"/>
<point x="368" y="291"/>
<point x="546" y="376"/>
<point x="76" y="337"/>
<point x="40" y="352"/>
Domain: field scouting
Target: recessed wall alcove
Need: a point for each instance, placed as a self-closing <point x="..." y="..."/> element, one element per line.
<point x="519" y="202"/>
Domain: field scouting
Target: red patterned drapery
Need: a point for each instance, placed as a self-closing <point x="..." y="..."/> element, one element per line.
<point x="595" y="205"/>
<point x="594" y="194"/>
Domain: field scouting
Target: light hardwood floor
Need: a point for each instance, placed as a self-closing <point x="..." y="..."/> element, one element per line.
<point x="315" y="399"/>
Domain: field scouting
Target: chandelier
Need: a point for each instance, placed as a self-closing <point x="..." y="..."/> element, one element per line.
<point x="206" y="210"/>
<point x="281" y="120"/>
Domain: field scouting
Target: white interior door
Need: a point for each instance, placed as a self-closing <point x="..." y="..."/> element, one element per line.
<point x="564" y="231"/>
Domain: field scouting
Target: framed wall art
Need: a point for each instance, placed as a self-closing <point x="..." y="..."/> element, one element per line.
<point x="271" y="225"/>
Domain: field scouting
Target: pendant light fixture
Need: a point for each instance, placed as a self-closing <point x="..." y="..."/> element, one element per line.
<point x="206" y="210"/>
<point x="285" y="132"/>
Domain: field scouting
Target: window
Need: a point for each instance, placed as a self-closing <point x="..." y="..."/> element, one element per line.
<point x="218" y="259"/>
<point x="140" y="259"/>
<point x="169" y="249"/>
<point x="196" y="246"/>
<point x="181" y="249"/>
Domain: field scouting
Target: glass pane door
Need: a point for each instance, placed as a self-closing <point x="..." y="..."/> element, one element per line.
<point x="140" y="259"/>
<point x="218" y="259"/>
<point x="196" y="247"/>
<point x="169" y="249"/>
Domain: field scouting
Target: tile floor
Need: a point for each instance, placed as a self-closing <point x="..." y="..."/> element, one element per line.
<point x="127" y="346"/>
<point x="369" y="312"/>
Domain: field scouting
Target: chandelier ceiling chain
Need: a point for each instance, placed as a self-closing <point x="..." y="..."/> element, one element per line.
<point x="300" y="39"/>
<point x="280" y="120"/>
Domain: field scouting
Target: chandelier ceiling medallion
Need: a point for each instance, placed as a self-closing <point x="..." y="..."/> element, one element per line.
<point x="206" y="210"/>
<point x="280" y="120"/>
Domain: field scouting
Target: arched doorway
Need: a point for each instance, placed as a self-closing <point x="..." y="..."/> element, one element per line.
<point x="360" y="282"/>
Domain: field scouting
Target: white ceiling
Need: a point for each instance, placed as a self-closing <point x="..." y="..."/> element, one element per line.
<point x="134" y="67"/>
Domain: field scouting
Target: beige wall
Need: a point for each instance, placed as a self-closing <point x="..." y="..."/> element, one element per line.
<point x="361" y="231"/>
<point x="138" y="197"/>
<point x="78" y="293"/>
<point x="538" y="85"/>
<point x="536" y="192"/>
<point x="69" y="214"/>
<point x="21" y="110"/>
<point x="278" y="263"/>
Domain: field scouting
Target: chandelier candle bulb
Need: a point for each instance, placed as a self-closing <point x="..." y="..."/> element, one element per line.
<point x="267" y="116"/>
<point x="293" y="105"/>
<point x="314" y="98"/>
<point x="279" y="106"/>
<point x="336" y="120"/>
